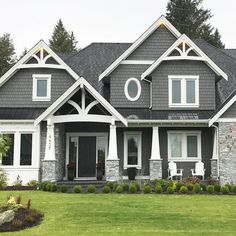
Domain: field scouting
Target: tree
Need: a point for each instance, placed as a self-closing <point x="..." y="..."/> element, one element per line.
<point x="62" y="40"/>
<point x="189" y="17"/>
<point x="24" y="52"/>
<point x="5" y="144"/>
<point x="7" y="53"/>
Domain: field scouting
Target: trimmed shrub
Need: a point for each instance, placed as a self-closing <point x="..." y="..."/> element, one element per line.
<point x="196" y="188"/>
<point x="126" y="187"/>
<point x="190" y="187"/>
<point x="224" y="189"/>
<point x="53" y="188"/>
<point x="170" y="190"/>
<point x="115" y="185"/>
<point x="233" y="189"/>
<point x="203" y="186"/>
<point x="217" y="188"/>
<point x="91" y="188"/>
<point x="119" y="189"/>
<point x="110" y="184"/>
<point x="178" y="185"/>
<point x="77" y="189"/>
<point x="64" y="188"/>
<point x="137" y="185"/>
<point x="44" y="186"/>
<point x="33" y="183"/>
<point x="210" y="189"/>
<point x="48" y="187"/>
<point x="106" y="189"/>
<point x="3" y="179"/>
<point x="132" y="188"/>
<point x="212" y="181"/>
<point x="147" y="189"/>
<point x="183" y="190"/>
<point x="158" y="189"/>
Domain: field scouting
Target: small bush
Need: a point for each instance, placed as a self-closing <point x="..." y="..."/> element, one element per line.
<point x="43" y="186"/>
<point x="106" y="189"/>
<point x="137" y="185"/>
<point x="224" y="189"/>
<point x="126" y="187"/>
<point x="217" y="188"/>
<point x="190" y="187"/>
<point x="132" y="188"/>
<point x="229" y="186"/>
<point x="190" y="180"/>
<point x="110" y="184"/>
<point x="178" y="185"/>
<point x="196" y="188"/>
<point x="183" y="190"/>
<point x="115" y="185"/>
<point x="64" y="188"/>
<point x="170" y="190"/>
<point x="158" y="189"/>
<point x="3" y="179"/>
<point x="212" y="181"/>
<point x="18" y="182"/>
<point x="53" y="188"/>
<point x="48" y="187"/>
<point x="147" y="189"/>
<point x="233" y="189"/>
<point x="91" y="188"/>
<point x="203" y="186"/>
<point x="77" y="189"/>
<point x="210" y="189"/>
<point x="33" y="183"/>
<point x="119" y="189"/>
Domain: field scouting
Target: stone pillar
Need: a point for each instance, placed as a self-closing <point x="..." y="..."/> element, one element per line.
<point x="214" y="168"/>
<point x="155" y="160"/>
<point x="112" y="162"/>
<point x="214" y="160"/>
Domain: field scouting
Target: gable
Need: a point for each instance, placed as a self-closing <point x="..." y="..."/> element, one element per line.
<point x="155" y="45"/>
<point x="230" y="112"/>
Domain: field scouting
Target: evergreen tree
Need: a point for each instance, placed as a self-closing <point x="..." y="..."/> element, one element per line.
<point x="7" y="53"/>
<point x="62" y="40"/>
<point x="189" y="17"/>
<point x="24" y="52"/>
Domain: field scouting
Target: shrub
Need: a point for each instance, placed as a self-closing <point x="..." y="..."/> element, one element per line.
<point x="132" y="188"/>
<point x="18" y="182"/>
<point x="217" y="188"/>
<point x="3" y="179"/>
<point x="137" y="185"/>
<point x="212" y="181"/>
<point x="210" y="189"/>
<point x="119" y="189"/>
<point x="91" y="188"/>
<point x="224" y="189"/>
<point x="48" y="187"/>
<point x="178" y="185"/>
<point x="106" y="189"/>
<point x="147" y="189"/>
<point x="233" y="189"/>
<point x="229" y="186"/>
<point x="110" y="184"/>
<point x="183" y="190"/>
<point x="165" y="183"/>
<point x="77" y="189"/>
<point x="64" y="188"/>
<point x="115" y="185"/>
<point x="158" y="189"/>
<point x="126" y="187"/>
<point x="170" y="190"/>
<point x="53" y="188"/>
<point x="190" y="180"/>
<point x="196" y="188"/>
<point x="43" y="186"/>
<point x="190" y="187"/>
<point x="33" y="183"/>
<point x="203" y="186"/>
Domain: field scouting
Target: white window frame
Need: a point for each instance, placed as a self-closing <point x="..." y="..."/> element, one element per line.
<point x="183" y="79"/>
<point x="132" y="99"/>
<point x="126" y="136"/>
<point x="184" y="157"/>
<point x="37" y="77"/>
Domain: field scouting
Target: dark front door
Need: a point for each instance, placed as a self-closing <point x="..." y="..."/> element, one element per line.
<point x="87" y="157"/>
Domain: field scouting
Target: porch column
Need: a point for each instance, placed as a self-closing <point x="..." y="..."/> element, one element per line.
<point x="112" y="162"/>
<point x="49" y="162"/>
<point x="214" y="160"/>
<point x="155" y="161"/>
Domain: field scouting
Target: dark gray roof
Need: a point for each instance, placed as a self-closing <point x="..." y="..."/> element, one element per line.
<point x="20" y="113"/>
<point x="230" y="52"/>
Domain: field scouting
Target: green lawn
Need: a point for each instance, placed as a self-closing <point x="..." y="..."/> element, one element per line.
<point x="113" y="214"/>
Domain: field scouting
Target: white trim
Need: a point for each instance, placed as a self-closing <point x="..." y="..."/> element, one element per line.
<point x="137" y="134"/>
<point x="137" y="62"/>
<point x="70" y="92"/>
<point x="183" y="80"/>
<point x="132" y="99"/>
<point x="231" y="120"/>
<point x="222" y="110"/>
<point x="184" y="134"/>
<point x="166" y="121"/>
<point x="137" y="177"/>
<point x="202" y="56"/>
<point x="37" y="77"/>
<point x="161" y="21"/>
<point x="41" y="45"/>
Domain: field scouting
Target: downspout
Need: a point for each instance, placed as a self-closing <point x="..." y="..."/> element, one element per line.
<point x="217" y="149"/>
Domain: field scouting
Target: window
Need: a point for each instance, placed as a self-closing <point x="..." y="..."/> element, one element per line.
<point x="8" y="160"/>
<point x="26" y="149"/>
<point x="41" y="87"/>
<point x="132" y="89"/>
<point x="183" y="91"/>
<point x="184" y="145"/>
<point x="132" y="149"/>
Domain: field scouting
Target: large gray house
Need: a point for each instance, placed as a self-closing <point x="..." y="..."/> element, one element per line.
<point x="115" y="106"/>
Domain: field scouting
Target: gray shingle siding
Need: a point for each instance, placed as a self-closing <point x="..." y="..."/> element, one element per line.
<point x="17" y="91"/>
<point x="230" y="113"/>
<point x="154" y="46"/>
<point x="160" y="83"/>
<point x="117" y="82"/>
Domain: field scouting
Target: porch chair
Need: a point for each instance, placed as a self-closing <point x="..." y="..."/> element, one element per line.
<point x="173" y="171"/>
<point x="199" y="170"/>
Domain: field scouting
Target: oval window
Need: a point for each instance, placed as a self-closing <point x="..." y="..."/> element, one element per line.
<point x="132" y="89"/>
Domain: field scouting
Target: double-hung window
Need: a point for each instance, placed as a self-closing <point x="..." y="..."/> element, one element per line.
<point x="184" y="145"/>
<point x="41" y="87"/>
<point x="183" y="91"/>
<point x="132" y="149"/>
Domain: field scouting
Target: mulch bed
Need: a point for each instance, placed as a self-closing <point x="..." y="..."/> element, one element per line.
<point x="24" y="218"/>
<point x="16" y="188"/>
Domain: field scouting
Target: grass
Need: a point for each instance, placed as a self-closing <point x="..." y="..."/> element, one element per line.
<point x="124" y="214"/>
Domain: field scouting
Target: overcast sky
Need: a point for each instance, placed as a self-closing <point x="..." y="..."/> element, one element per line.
<point x="98" y="20"/>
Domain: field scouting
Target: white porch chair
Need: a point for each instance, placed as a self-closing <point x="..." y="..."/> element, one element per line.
<point x="173" y="171"/>
<point x="199" y="170"/>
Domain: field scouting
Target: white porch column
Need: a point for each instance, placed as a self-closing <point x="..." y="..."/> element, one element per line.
<point x="155" y="159"/>
<point x="112" y="152"/>
<point x="50" y="142"/>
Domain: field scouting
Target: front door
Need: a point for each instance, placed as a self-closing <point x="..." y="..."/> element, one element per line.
<point x="87" y="157"/>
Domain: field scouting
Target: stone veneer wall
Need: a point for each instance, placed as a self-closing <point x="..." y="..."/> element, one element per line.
<point x="112" y="170"/>
<point x="227" y="152"/>
<point x="155" y="169"/>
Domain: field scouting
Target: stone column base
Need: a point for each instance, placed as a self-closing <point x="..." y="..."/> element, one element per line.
<point x="155" y="169"/>
<point x="49" y="170"/>
<point x="112" y="170"/>
<point x="214" y="168"/>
